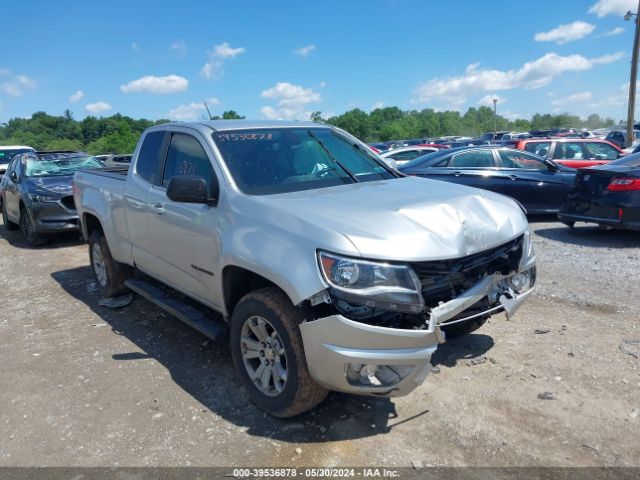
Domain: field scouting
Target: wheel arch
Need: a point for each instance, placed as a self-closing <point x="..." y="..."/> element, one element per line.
<point x="237" y="281"/>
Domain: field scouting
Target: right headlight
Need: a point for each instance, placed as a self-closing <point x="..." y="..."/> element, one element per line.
<point x="374" y="284"/>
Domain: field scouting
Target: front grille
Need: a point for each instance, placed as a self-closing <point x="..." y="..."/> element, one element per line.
<point x="68" y="202"/>
<point x="443" y="280"/>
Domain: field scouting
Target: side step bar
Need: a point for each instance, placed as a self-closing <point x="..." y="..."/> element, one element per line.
<point x="188" y="314"/>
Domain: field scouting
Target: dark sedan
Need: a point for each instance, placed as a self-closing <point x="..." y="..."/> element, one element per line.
<point x="537" y="183"/>
<point x="608" y="195"/>
<point x="36" y="193"/>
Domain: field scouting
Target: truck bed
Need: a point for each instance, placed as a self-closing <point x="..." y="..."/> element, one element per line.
<point x="119" y="173"/>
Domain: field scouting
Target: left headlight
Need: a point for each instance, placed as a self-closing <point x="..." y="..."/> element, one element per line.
<point x="374" y="284"/>
<point x="43" y="198"/>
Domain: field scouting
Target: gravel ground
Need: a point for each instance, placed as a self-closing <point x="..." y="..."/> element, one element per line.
<point x="83" y="385"/>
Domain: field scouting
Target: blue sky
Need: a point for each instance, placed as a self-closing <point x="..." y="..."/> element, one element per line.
<point x="284" y="59"/>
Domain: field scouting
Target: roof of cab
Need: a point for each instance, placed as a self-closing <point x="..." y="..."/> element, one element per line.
<point x="242" y="124"/>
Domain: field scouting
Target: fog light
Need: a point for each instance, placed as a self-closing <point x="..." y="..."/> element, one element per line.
<point x="521" y="282"/>
<point x="376" y="375"/>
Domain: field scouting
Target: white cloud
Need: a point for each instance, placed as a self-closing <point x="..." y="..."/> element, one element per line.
<point x="98" y="107"/>
<point x="213" y="69"/>
<point x="574" y="98"/>
<point x="191" y="111"/>
<point x="15" y="85"/>
<point x="136" y="48"/>
<point x="613" y="32"/>
<point x="224" y="50"/>
<point x="602" y="8"/>
<point x="291" y="101"/>
<point x="566" y="33"/>
<point x="377" y="105"/>
<point x="77" y="96"/>
<point x="535" y="74"/>
<point x="179" y="48"/>
<point x="487" y="100"/>
<point x="156" y="85"/>
<point x="305" y="51"/>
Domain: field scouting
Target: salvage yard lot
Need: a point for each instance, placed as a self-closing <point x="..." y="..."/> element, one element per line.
<point x="83" y="385"/>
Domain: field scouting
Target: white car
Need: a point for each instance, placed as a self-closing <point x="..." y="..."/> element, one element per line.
<point x="7" y="152"/>
<point x="400" y="156"/>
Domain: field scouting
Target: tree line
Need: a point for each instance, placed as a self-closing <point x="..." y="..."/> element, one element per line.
<point x="119" y="133"/>
<point x="391" y="123"/>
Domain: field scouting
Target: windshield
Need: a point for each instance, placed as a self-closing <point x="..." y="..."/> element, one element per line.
<point x="280" y="160"/>
<point x="7" y="155"/>
<point x="35" y="167"/>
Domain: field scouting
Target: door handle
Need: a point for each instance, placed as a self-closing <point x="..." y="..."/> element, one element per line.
<point x="457" y="174"/>
<point x="513" y="177"/>
<point x="158" y="208"/>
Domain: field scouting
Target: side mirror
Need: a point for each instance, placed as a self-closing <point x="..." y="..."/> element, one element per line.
<point x="14" y="177"/>
<point x="191" y="189"/>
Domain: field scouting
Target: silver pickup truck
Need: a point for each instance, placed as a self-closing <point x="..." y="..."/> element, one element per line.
<point x="330" y="270"/>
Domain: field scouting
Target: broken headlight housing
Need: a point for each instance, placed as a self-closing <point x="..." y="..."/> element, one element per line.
<point x="373" y="284"/>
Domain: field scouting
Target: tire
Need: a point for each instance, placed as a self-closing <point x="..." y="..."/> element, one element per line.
<point x="463" y="328"/>
<point x="28" y="231"/>
<point x="8" y="224"/>
<point x="270" y="308"/>
<point x="110" y="274"/>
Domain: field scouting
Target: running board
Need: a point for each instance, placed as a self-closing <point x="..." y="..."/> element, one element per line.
<point x="188" y="314"/>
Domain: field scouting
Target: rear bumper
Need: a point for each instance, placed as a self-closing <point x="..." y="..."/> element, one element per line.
<point x="53" y="217"/>
<point x="623" y="212"/>
<point x="341" y="353"/>
<point x="615" y="223"/>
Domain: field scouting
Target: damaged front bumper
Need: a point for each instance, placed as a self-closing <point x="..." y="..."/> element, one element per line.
<point x="355" y="357"/>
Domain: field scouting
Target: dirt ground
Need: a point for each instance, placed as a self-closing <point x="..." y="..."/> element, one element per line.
<point x="84" y="385"/>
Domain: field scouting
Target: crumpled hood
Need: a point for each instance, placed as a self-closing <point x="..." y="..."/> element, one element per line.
<point x="408" y="219"/>
<point x="54" y="185"/>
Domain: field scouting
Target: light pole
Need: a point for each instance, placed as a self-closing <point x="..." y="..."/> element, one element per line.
<point x="634" y="76"/>
<point x="495" y="118"/>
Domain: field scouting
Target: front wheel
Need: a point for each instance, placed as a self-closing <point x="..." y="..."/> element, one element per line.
<point x="8" y="224"/>
<point x="28" y="230"/>
<point x="267" y="350"/>
<point x="109" y="273"/>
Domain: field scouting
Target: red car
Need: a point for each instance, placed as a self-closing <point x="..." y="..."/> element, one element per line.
<point x="572" y="152"/>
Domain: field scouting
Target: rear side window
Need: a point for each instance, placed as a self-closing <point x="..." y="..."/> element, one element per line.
<point x="538" y="148"/>
<point x="473" y="159"/>
<point x="149" y="156"/>
<point x="187" y="157"/>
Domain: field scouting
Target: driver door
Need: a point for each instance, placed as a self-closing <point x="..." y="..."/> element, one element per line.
<point x="186" y="236"/>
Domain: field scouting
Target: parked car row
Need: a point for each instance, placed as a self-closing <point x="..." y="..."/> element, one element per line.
<point x="331" y="270"/>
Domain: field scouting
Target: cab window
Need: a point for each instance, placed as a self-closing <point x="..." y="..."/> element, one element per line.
<point x="149" y="156"/>
<point x="186" y="156"/>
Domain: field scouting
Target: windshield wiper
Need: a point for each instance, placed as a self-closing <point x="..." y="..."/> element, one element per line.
<point x="351" y="175"/>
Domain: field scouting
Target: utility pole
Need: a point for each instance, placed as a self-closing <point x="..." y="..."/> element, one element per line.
<point x="634" y="76"/>
<point x="495" y="116"/>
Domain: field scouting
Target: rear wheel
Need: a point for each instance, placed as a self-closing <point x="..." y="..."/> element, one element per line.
<point x="28" y="230"/>
<point x="267" y="351"/>
<point x="8" y="224"/>
<point x="109" y="273"/>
